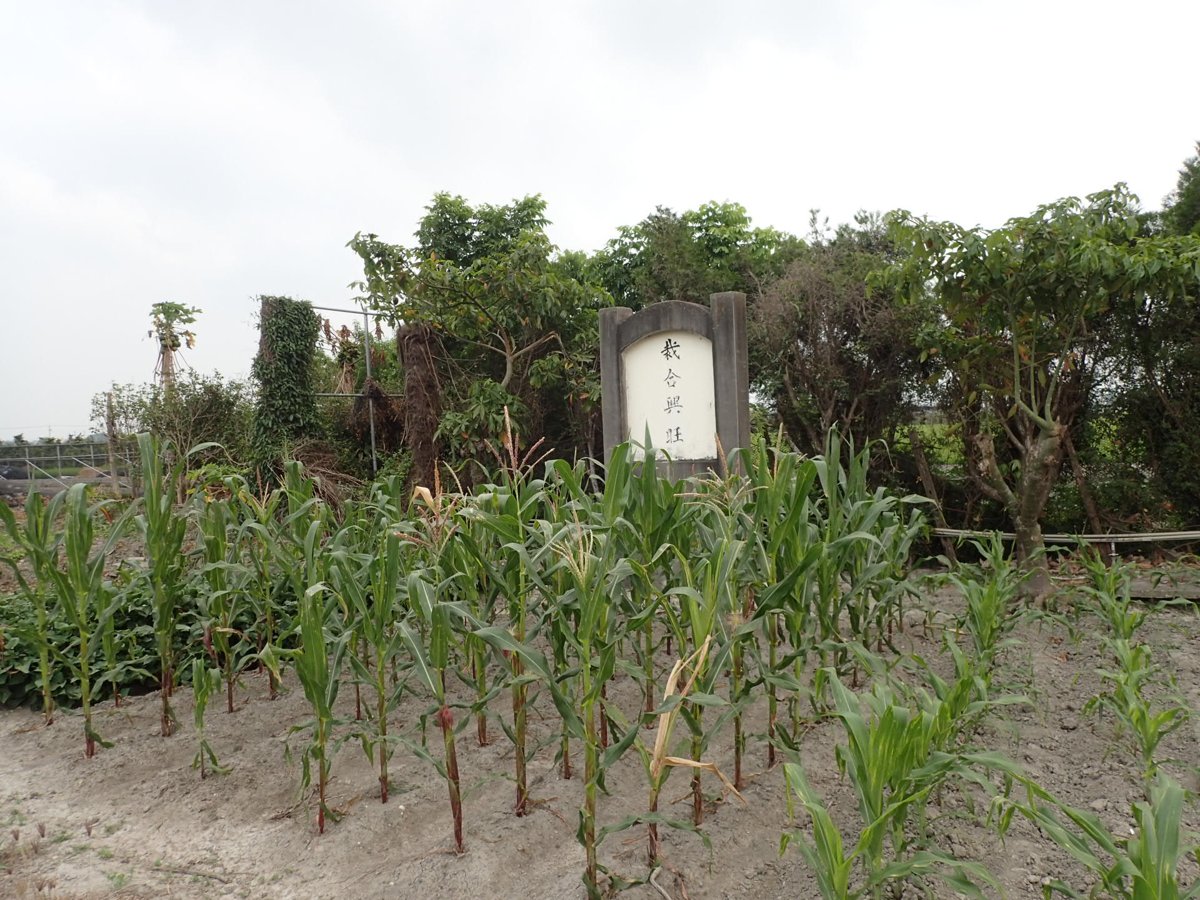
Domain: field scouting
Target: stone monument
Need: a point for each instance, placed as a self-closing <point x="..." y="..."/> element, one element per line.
<point x="678" y="372"/>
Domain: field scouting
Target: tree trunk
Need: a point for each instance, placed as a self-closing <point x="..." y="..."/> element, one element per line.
<point x="422" y="400"/>
<point x="1040" y="463"/>
<point x="1040" y="458"/>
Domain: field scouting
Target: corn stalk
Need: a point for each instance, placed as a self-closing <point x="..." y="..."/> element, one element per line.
<point x="163" y="530"/>
<point x="39" y="540"/>
<point x="372" y="594"/>
<point x="430" y="659"/>
<point x="205" y="683"/>
<point x="79" y="586"/>
<point x="318" y="662"/>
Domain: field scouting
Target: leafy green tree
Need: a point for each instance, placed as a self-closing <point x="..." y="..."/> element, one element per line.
<point x="1024" y="307"/>
<point x="1156" y="403"/>
<point x="669" y="256"/>
<point x="1182" y="213"/>
<point x="499" y="319"/>
<point x="198" y="409"/>
<point x="827" y="352"/>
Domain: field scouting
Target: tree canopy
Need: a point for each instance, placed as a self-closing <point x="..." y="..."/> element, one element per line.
<point x="1025" y="308"/>
<point x="672" y="256"/>
<point x="1182" y="212"/>
<point x="511" y="323"/>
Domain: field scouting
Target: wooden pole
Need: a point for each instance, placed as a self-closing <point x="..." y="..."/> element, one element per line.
<point x="110" y="426"/>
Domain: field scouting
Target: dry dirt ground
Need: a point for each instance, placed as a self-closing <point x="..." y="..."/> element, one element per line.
<point x="137" y="821"/>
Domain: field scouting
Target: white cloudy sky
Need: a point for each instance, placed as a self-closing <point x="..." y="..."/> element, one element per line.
<point x="210" y="152"/>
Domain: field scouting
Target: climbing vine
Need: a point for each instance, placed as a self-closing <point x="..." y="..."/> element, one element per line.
<point x="286" y="407"/>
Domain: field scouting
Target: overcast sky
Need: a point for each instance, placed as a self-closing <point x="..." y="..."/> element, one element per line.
<point x="210" y="152"/>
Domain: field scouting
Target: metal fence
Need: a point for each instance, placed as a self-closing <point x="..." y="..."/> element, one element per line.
<point x="66" y="463"/>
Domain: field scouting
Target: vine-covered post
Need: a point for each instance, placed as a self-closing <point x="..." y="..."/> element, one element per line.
<point x="287" y="405"/>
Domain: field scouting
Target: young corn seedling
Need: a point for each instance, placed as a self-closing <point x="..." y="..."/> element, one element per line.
<point x="892" y="765"/>
<point x="990" y="592"/>
<point x="833" y="861"/>
<point x="79" y="587"/>
<point x="39" y="540"/>
<point x="163" y="530"/>
<point x="1144" y="866"/>
<point x="1126" y="700"/>
<point x="205" y="683"/>
<point x="1110" y="593"/>
<point x="957" y="704"/>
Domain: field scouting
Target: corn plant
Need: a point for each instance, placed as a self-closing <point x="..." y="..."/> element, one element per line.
<point x="956" y="704"/>
<point x="658" y="760"/>
<point x="705" y="598"/>
<point x="205" y="683"/>
<point x="117" y="666"/>
<point x="834" y="862"/>
<point x="507" y="513"/>
<point x="563" y="619"/>
<point x="79" y="586"/>
<point x="845" y="577"/>
<point x="573" y="509"/>
<point x="479" y="592"/>
<point x="651" y="516"/>
<point x="731" y="499"/>
<point x="430" y="655"/>
<point x="1144" y="866"/>
<point x="1109" y="590"/>
<point x="256" y="544"/>
<point x="163" y="530"/>
<point x="39" y="541"/>
<point x="318" y="660"/>
<point x="372" y="594"/>
<point x="892" y="764"/>
<point x="225" y="581"/>
<point x="593" y="574"/>
<point x="990" y="591"/>
<point x="781" y="548"/>
<point x="1126" y="700"/>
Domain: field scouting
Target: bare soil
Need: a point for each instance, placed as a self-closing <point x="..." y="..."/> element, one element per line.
<point x="137" y="820"/>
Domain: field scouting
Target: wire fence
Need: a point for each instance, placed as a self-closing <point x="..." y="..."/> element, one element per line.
<point x="67" y="463"/>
